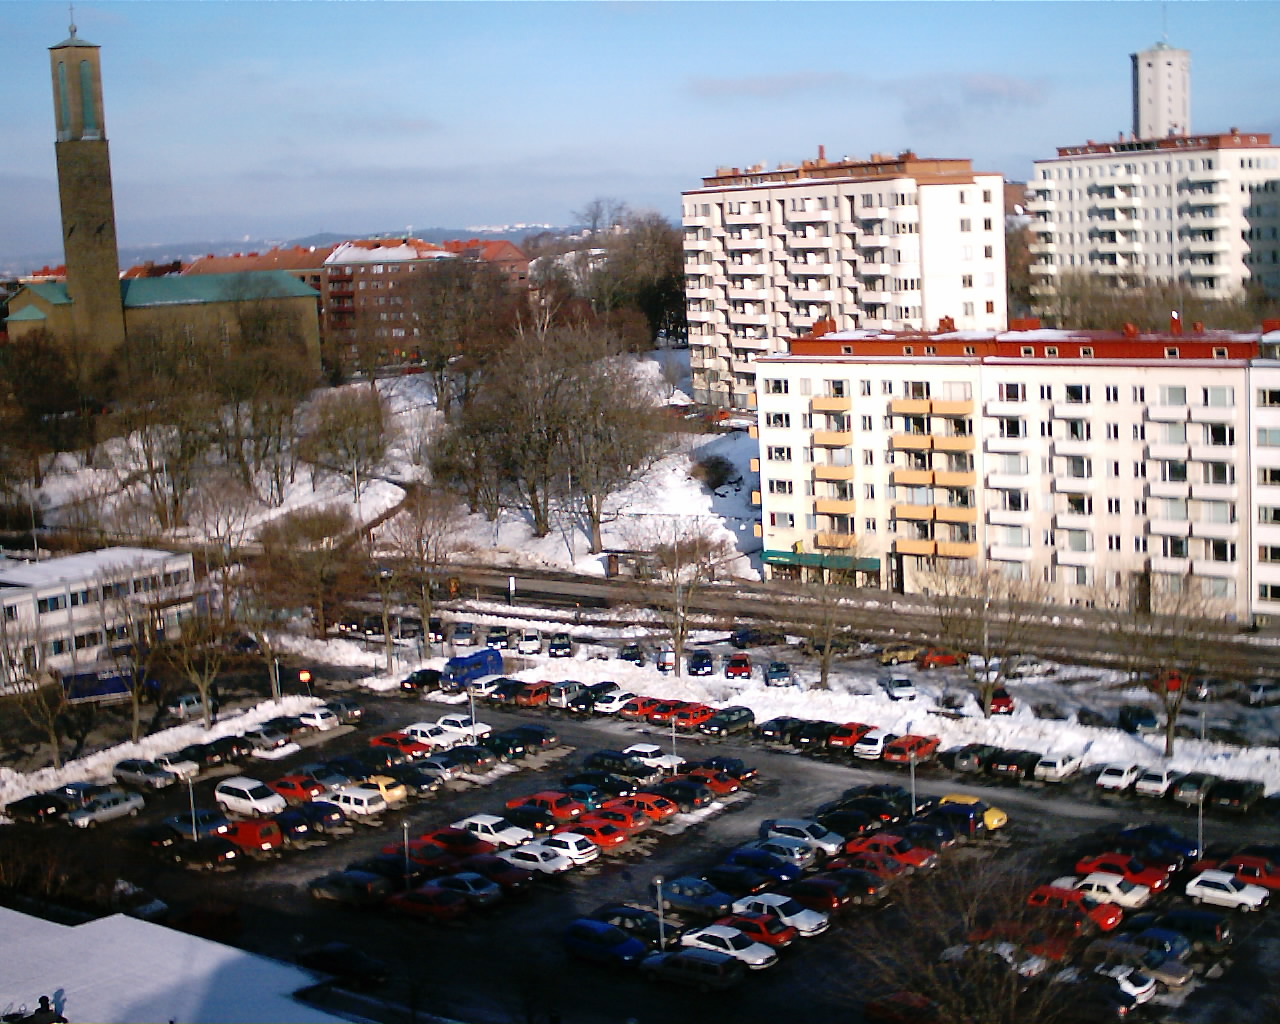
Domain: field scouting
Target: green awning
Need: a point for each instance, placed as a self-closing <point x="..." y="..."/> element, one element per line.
<point x="821" y="560"/>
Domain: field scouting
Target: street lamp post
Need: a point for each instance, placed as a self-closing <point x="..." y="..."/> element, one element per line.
<point x="911" y="760"/>
<point x="191" y="800"/>
<point x="662" y="918"/>
<point x="1200" y="802"/>
<point x="673" y="735"/>
<point x="471" y="704"/>
<point x="405" y="825"/>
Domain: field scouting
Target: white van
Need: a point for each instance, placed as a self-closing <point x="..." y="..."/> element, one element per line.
<point x="433" y="735"/>
<point x="667" y="659"/>
<point x="1057" y="767"/>
<point x="530" y="642"/>
<point x="358" y="801"/>
<point x="249" y="797"/>
<point x="563" y="692"/>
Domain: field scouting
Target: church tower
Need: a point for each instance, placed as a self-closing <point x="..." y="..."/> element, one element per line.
<point x="84" y="192"/>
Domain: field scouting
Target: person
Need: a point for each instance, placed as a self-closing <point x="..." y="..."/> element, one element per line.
<point x="45" y="1014"/>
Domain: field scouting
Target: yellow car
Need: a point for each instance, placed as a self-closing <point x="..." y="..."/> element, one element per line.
<point x="992" y="817"/>
<point x="900" y="654"/>
<point x="393" y="792"/>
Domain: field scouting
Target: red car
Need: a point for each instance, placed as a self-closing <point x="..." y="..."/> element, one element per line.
<point x="897" y="847"/>
<point x="255" y="836"/>
<point x="654" y="807"/>
<point x="560" y="806"/>
<point x="511" y="878"/>
<point x="626" y="818"/>
<point x="845" y="736"/>
<point x="1132" y="869"/>
<point x="1050" y="943"/>
<point x="457" y="841"/>
<point x="638" y="708"/>
<point x="533" y="694"/>
<point x="432" y="856"/>
<point x="720" y="783"/>
<point x="1257" y="870"/>
<point x="1001" y="702"/>
<point x="828" y="895"/>
<point x="881" y="865"/>
<point x="430" y="903"/>
<point x="738" y="667"/>
<point x="763" y="928"/>
<point x="402" y="743"/>
<point x="691" y="716"/>
<point x="296" y="789"/>
<point x="938" y="657"/>
<point x="605" y="834"/>
<point x="1107" y="916"/>
<point x="664" y="711"/>
<point x="899" y="751"/>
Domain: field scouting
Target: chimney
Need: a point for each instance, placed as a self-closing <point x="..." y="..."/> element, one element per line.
<point x="946" y="325"/>
<point x="822" y="154"/>
<point x="1130" y="331"/>
<point x="1197" y="327"/>
<point x="1175" y="323"/>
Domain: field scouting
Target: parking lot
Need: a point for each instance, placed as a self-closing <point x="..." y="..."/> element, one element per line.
<point x="506" y="963"/>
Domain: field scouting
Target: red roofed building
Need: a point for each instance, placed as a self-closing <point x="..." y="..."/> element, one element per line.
<point x="506" y="256"/>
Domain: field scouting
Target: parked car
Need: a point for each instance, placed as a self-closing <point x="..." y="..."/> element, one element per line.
<point x="1223" y="889"/>
<point x="1263" y="693"/>
<point x="1108" y="888"/>
<point x="351" y="888"/>
<point x="900" y="688"/>
<point x="1104" y="916"/>
<point x="898" y="847"/>
<point x="871" y="746"/>
<point x="1193" y="788"/>
<point x="498" y="638"/>
<point x="738" y="666"/>
<point x="115" y="803"/>
<point x="1130" y="868"/>
<point x="429" y="902"/>
<point x="350" y="967"/>
<point x="899" y="654"/>
<point x="1014" y="765"/>
<point x="778" y="868"/>
<point x="246" y="796"/>
<point x="600" y="942"/>
<point x="687" y="795"/>
<point x="347" y="710"/>
<point x="778" y="673"/>
<point x="505" y="746"/>
<point x="1118" y="777"/>
<point x="578" y="848"/>
<point x="560" y="646"/>
<point x="321" y="719"/>
<point x="762" y="928"/>
<point x="1057" y="767"/>
<point x="537" y="737"/>
<point x="703" y="969"/>
<point x="612" y="702"/>
<point x="822" y="840"/>
<point x="464" y="634"/>
<point x="700" y="663"/>
<point x="754" y="955"/>
<point x="1138" y="718"/>
<point x="807" y="923"/>
<point x="779" y="730"/>
<point x="695" y="896"/>
<point x="529" y="642"/>
<point x="38" y="808"/>
<point x="911" y="748"/>
<point x="256" y="836"/>
<point x="472" y="886"/>
<point x="973" y="758"/>
<point x="1236" y="795"/>
<point x="1155" y="782"/>
<point x="728" y="721"/>
<point x="142" y="773"/>
<point x="537" y="858"/>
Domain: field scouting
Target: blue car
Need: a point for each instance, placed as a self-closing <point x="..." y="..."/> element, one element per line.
<point x="588" y="795"/>
<point x="602" y="942"/>
<point x="695" y="896"/>
<point x="322" y="816"/>
<point x="1162" y="837"/>
<point x="775" y="867"/>
<point x="701" y="663"/>
<point x="201" y="825"/>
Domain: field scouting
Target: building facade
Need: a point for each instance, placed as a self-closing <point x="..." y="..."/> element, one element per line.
<point x="1203" y="210"/>
<point x="1075" y="460"/>
<point x="889" y="242"/>
<point x="64" y="615"/>
<point x="1161" y="92"/>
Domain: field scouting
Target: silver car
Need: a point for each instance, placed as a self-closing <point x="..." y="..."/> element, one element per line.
<point x="147" y="774"/>
<point x="116" y="803"/>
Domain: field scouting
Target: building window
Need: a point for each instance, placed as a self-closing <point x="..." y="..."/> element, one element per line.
<point x="867" y="423"/>
<point x="1113" y="506"/>
<point x="774" y="386"/>
<point x="1078" y="394"/>
<point x="44" y="605"/>
<point x="1046" y="392"/>
<point x="864" y="387"/>
<point x="991" y="308"/>
<point x="783" y="520"/>
<point x="1112" y="393"/>
<point x="780" y="420"/>
<point x="869" y="492"/>
<point x="1113" y="431"/>
<point x="1269" y="437"/>
<point x="868" y="526"/>
<point x="965" y="224"/>
<point x="1220" y="397"/>
<point x="1269" y="476"/>
<point x="1013" y="392"/>
<point x="1220" y="551"/>
<point x="1219" y="435"/>
<point x="778" y="453"/>
<point x="1113" y="542"/>
<point x="1268" y="397"/>
<point x="868" y="457"/>
<point x="1269" y="591"/>
<point x="966" y="280"/>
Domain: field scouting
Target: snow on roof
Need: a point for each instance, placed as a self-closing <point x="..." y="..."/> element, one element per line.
<point x="78" y="568"/>
<point x="121" y="969"/>
<point x="394" y="252"/>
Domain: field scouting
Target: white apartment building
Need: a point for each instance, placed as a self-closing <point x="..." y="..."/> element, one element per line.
<point x="896" y="243"/>
<point x="1076" y="460"/>
<point x="65" y="614"/>
<point x="1161" y="92"/>
<point x="1199" y="209"/>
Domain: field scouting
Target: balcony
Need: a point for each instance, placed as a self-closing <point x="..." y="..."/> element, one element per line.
<point x="874" y="241"/>
<point x="833" y="473"/>
<point x="1215" y="531"/>
<point x="1043" y="247"/>
<point x="748" y="319"/>
<point x="744" y="244"/>
<point x="1168" y="452"/>
<point x="698" y="245"/>
<point x="1215" y="492"/>
<point x="1009" y="517"/>
<point x="1065" y="446"/>
<point x="873" y="213"/>
<point x="745" y="218"/>
<point x="1170" y="566"/>
<point x="1169" y="413"/>
<point x="955" y="513"/>
<point x="957" y="549"/>
<point x="754" y="466"/>
<point x="1072" y="521"/>
<point x="914" y="512"/>
<point x="1206" y="245"/>
<point x="701" y="316"/>
<point x="996" y="407"/>
<point x="1008" y="553"/>
<point x="912" y="442"/>
<point x="833" y="438"/>
<point x="1041" y="204"/>
<point x="1213" y="413"/>
<point x="1212" y="453"/>
<point x="755" y="499"/>
<point x="1209" y="567"/>
<point x="1074" y="485"/>
<point x="1169" y="527"/>
<point x="953" y="442"/>
<point x="947" y="407"/>
<point x="830" y="403"/>
<point x="1168" y="489"/>
<point x="746" y="366"/>
<point x="1006" y="445"/>
<point x="1071" y="410"/>
<point x="1007" y="481"/>
<point x="740" y="294"/>
<point x="807" y="295"/>
<point x="1065" y="556"/>
<point x="909" y="406"/>
<point x="926" y="548"/>
<point x="835" y="541"/>
<point x="833" y="506"/>
<point x="955" y="478"/>
<point x="809" y="216"/>
<point x="913" y="477"/>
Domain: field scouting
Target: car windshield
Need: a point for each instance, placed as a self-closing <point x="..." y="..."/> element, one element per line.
<point x="1153" y="959"/>
<point x="789" y="907"/>
<point x="1124" y="885"/>
<point x="259" y="792"/>
<point x="739" y="941"/>
<point x="1133" y="865"/>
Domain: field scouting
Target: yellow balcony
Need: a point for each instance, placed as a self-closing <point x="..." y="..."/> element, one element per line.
<point x="758" y="529"/>
<point x="755" y="498"/>
<point x="913" y="477"/>
<point x="955" y="514"/>
<point x="755" y="465"/>
<point x="912" y="442"/>
<point x="753" y="431"/>
<point x="947" y="478"/>
<point x="833" y="472"/>
<point x="833" y="438"/>
<point x="927" y="548"/>
<point x="830" y="404"/>
<point x="751" y="399"/>
<point x="833" y="506"/>
<point x="909" y="406"/>
<point x="913" y="511"/>
<point x="961" y="408"/>
<point x="839" y="541"/>
<point x="957" y="549"/>
<point x="953" y="442"/>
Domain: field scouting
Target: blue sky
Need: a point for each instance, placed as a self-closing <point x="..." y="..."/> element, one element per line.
<point x="280" y="119"/>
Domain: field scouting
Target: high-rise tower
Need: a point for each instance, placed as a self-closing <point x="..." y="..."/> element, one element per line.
<point x="1161" y="92"/>
<point x="84" y="192"/>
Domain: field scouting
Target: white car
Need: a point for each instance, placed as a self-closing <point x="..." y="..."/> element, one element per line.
<point x="178" y="766"/>
<point x="321" y="719"/>
<point x="538" y="858"/>
<point x="462" y="723"/>
<point x="611" y="703"/>
<point x="792" y="851"/>
<point x="1118" y="777"/>
<point x="653" y="756"/>
<point x="1155" y="781"/>
<point x="464" y="634"/>
<point x="1106" y="887"/>
<point x="900" y="688"/>
<point x="115" y="803"/>
<point x="248" y="797"/>
<point x="496" y="830"/>
<point x="823" y="840"/>
<point x="578" y="848"/>
<point x="1223" y="889"/>
<point x="1057" y="767"/>
<point x="530" y="642"/>
<point x="787" y="910"/>
<point x="754" y="955"/>
<point x="433" y="735"/>
<point x="871" y="746"/>
<point x="1130" y="979"/>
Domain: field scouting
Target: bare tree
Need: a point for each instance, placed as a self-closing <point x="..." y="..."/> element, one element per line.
<point x="822" y="617"/>
<point x="986" y="616"/>
<point x="687" y="555"/>
<point x="421" y="538"/>
<point x="221" y="508"/>
<point x="1082" y="301"/>
<point x="195" y="652"/>
<point x="308" y="561"/>
<point x="348" y="434"/>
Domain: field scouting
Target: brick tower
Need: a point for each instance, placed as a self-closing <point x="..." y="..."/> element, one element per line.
<point x="84" y="192"/>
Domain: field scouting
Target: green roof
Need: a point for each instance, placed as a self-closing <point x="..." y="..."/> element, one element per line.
<point x="198" y="288"/>
<point x="821" y="560"/>
<point x="53" y="292"/>
<point x="30" y="313"/>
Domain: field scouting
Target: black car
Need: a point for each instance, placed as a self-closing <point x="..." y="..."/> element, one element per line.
<point x="205" y="755"/>
<point x="232" y="748"/>
<point x="686" y="795"/>
<point x="288" y="725"/>
<point x="1014" y="765"/>
<point x="633" y="653"/>
<point x="701" y="663"/>
<point x="347" y="710"/>
<point x="1235" y="795"/>
<point x="422" y="681"/>
<point x="752" y="636"/>
<point x="618" y="763"/>
<point x="639" y="923"/>
<point x="849" y="822"/>
<point x="535" y="819"/>
<point x="738" y="880"/>
<point x="211" y="853"/>
<point x="583" y="703"/>
<point x="354" y="768"/>
<point x="351" y="888"/>
<point x="973" y="758"/>
<point x="505" y="691"/>
<point x="813" y="735"/>
<point x="897" y="795"/>
<point x="472" y="758"/>
<point x="505" y="746"/>
<point x="414" y="779"/>
<point x="875" y="808"/>
<point x="863" y="888"/>
<point x="349" y="966"/>
<point x="606" y="782"/>
<point x="294" y="826"/>
<point x="38" y="808"/>
<point x="538" y="737"/>
<point x="780" y="729"/>
<point x="733" y="766"/>
<point x="154" y="837"/>
<point x="560" y="646"/>
<point x="395" y="869"/>
<point x="933" y="835"/>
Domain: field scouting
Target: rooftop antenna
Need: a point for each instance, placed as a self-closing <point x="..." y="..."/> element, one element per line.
<point x="1164" y="22"/>
<point x="71" y="16"/>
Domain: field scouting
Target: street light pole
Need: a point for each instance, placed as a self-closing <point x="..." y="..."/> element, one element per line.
<point x="662" y="918"/>
<point x="673" y="735"/>
<point x="911" y="760"/>
<point x="1200" y="802"/>
<point x="191" y="799"/>
<point x="405" y="825"/>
